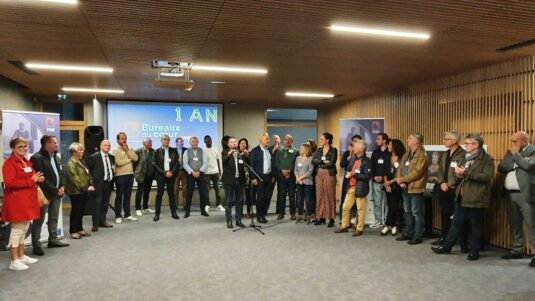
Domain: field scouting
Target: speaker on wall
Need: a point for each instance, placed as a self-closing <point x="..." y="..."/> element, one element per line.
<point x="93" y="135"/>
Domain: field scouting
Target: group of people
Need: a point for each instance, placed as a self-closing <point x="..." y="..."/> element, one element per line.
<point x="305" y="178"/>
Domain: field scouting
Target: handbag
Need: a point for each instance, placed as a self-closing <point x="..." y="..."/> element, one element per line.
<point x="43" y="201"/>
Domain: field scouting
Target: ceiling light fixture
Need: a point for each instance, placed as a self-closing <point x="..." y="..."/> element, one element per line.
<point x="92" y="90"/>
<point x="216" y="82"/>
<point x="230" y="69"/>
<point x="172" y="74"/>
<point x="381" y="32"/>
<point x="39" y="66"/>
<point x="309" y="94"/>
<point x="61" y="1"/>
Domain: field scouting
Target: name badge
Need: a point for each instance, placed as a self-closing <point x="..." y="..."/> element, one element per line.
<point x="27" y="169"/>
<point x="323" y="158"/>
<point x="396" y="164"/>
<point x="407" y="163"/>
<point x="240" y="161"/>
<point x="291" y="151"/>
<point x="453" y="164"/>
<point x="195" y="159"/>
<point x="169" y="160"/>
<point x="300" y="164"/>
<point x="380" y="161"/>
<point x="122" y="152"/>
<point x="357" y="171"/>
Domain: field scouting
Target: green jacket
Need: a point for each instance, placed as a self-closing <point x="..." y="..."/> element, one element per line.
<point x="285" y="159"/>
<point x="476" y="183"/>
<point x="416" y="179"/>
<point x="457" y="157"/>
<point x="78" y="179"/>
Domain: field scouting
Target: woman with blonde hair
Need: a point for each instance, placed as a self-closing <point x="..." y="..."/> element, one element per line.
<point x="305" y="182"/>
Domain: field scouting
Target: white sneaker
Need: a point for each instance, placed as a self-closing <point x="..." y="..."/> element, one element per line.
<point x="118" y="220"/>
<point x="148" y="210"/>
<point x="28" y="260"/>
<point x="377" y="224"/>
<point x="207" y="208"/>
<point x="138" y="213"/>
<point x="131" y="218"/>
<point x="220" y="208"/>
<point x="385" y="230"/>
<point x="354" y="220"/>
<point x="394" y="231"/>
<point x="18" y="265"/>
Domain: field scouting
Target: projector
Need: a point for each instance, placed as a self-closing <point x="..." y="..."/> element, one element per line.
<point x="173" y="75"/>
<point x="173" y="83"/>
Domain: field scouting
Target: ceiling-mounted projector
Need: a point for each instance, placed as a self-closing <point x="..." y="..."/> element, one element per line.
<point x="173" y="75"/>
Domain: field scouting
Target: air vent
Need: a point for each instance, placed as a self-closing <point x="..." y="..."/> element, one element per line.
<point x="20" y="65"/>
<point x="525" y="43"/>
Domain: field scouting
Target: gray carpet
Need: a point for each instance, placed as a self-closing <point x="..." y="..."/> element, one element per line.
<point x="199" y="259"/>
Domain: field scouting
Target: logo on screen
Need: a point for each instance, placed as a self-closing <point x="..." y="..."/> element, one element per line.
<point x="50" y="124"/>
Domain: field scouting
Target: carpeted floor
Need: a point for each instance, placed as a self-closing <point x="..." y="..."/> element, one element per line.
<point x="199" y="259"/>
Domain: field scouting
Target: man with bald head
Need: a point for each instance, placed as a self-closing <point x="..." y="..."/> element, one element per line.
<point x="518" y="166"/>
<point x="262" y="163"/>
<point x="101" y="166"/>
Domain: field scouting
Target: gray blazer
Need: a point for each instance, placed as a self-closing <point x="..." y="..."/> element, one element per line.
<point x="140" y="168"/>
<point x="306" y="168"/>
<point x="525" y="170"/>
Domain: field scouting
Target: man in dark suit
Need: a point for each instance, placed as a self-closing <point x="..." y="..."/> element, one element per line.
<point x="234" y="181"/>
<point x="181" y="178"/>
<point x="263" y="165"/>
<point x="166" y="164"/>
<point x="47" y="162"/>
<point x="101" y="167"/>
<point x="144" y="174"/>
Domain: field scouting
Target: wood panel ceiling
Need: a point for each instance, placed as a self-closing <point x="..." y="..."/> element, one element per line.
<point x="289" y="38"/>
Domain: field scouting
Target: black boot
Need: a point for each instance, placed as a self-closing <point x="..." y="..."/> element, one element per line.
<point x="229" y="224"/>
<point x="156" y="217"/>
<point x="331" y="223"/>
<point x="240" y="224"/>
<point x="174" y="215"/>
<point x="186" y="214"/>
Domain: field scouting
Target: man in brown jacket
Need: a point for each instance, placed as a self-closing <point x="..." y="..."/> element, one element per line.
<point x="474" y="176"/>
<point x="412" y="178"/>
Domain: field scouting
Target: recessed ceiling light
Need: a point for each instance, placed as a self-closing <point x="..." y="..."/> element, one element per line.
<point x="309" y="94"/>
<point x="92" y="90"/>
<point x="216" y="82"/>
<point x="172" y="74"/>
<point x="61" y="1"/>
<point x="230" y="69"/>
<point x="381" y="32"/>
<point x="39" y="66"/>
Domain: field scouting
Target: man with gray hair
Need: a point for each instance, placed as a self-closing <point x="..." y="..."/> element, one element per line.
<point x="165" y="163"/>
<point x="518" y="166"/>
<point x="447" y="181"/>
<point x="285" y="163"/>
<point x="144" y="175"/>
<point x="195" y="164"/>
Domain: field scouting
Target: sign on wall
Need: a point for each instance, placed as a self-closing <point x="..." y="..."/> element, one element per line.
<point x="30" y="126"/>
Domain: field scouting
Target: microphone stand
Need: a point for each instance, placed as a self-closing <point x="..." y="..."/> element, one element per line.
<point x="252" y="225"/>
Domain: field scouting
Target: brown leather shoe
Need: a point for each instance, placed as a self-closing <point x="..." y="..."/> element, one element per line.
<point x="94" y="229"/>
<point x="106" y="225"/>
<point x="341" y="230"/>
<point x="280" y="216"/>
<point x="357" y="233"/>
<point x="248" y="215"/>
<point x="293" y="217"/>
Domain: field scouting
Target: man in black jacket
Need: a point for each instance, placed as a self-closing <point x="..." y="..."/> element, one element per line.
<point x="101" y="166"/>
<point x="263" y="164"/>
<point x="166" y="164"/>
<point x="234" y="181"/>
<point x="47" y="162"/>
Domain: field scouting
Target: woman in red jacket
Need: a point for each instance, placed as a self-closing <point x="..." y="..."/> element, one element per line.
<point x="20" y="200"/>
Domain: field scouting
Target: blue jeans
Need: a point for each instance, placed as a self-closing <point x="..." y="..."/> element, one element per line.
<point x="414" y="214"/>
<point x="234" y="197"/>
<point x="379" y="202"/>
<point x="286" y="187"/>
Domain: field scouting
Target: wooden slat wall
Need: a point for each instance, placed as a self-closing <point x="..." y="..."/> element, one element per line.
<point x="495" y="101"/>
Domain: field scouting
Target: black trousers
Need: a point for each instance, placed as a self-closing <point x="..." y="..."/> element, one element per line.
<point x="264" y="191"/>
<point x="143" y="191"/>
<point x="78" y="202"/>
<point x="463" y="215"/>
<point x="394" y="216"/>
<point x="447" y="205"/>
<point x="164" y="183"/>
<point x="102" y="202"/>
<point x="250" y="196"/>
<point x="201" y="187"/>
